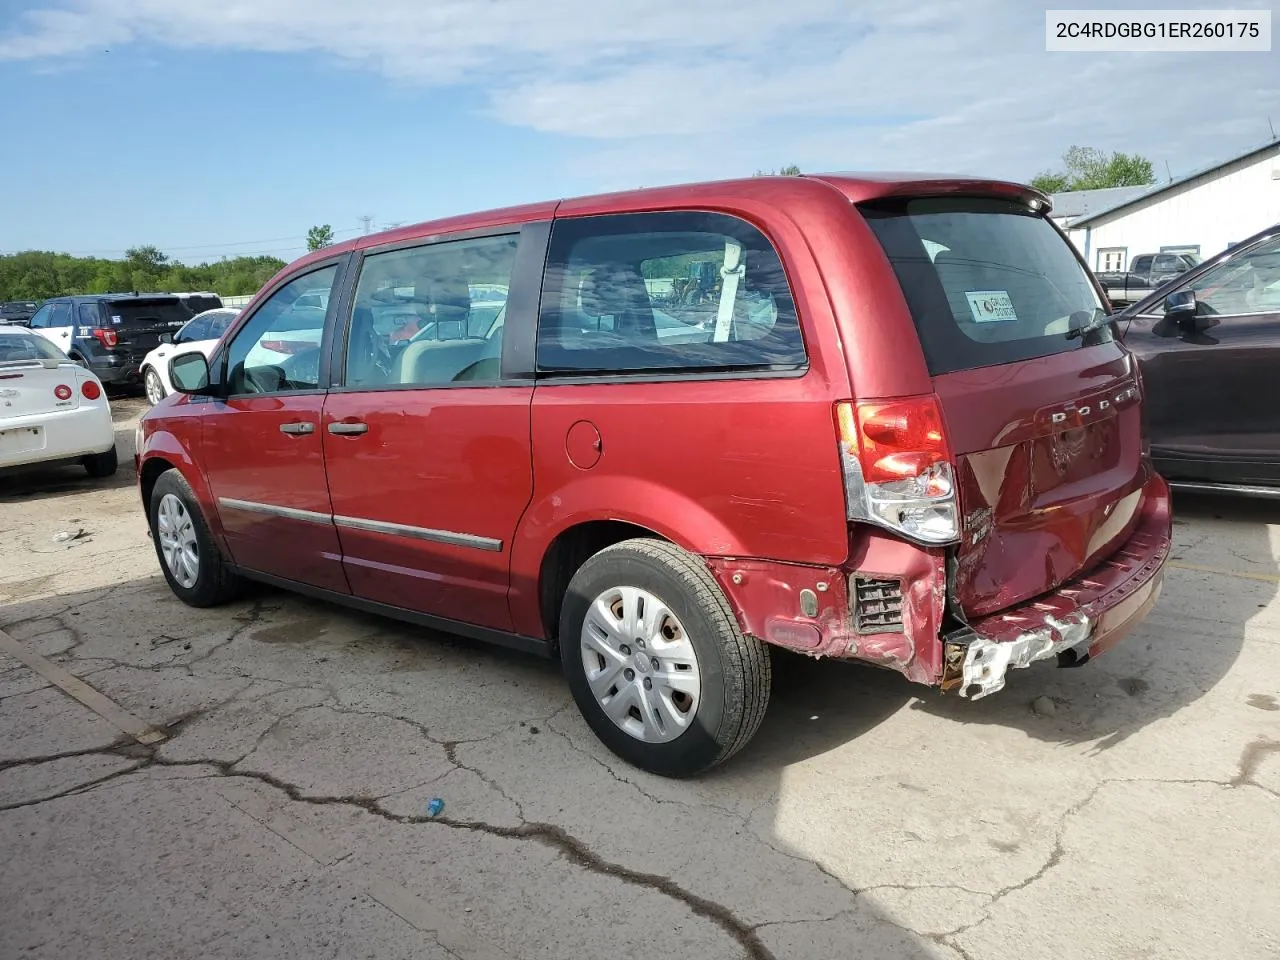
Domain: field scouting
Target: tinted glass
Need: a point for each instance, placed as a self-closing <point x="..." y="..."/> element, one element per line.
<point x="1247" y="283"/>
<point x="41" y="317"/>
<point x="987" y="281"/>
<point x="16" y="346"/>
<point x="88" y="314"/>
<point x="278" y="350"/>
<point x="1167" y="263"/>
<point x="60" y="316"/>
<point x="649" y="292"/>
<point x="1141" y="264"/>
<point x="197" y="329"/>
<point x="430" y="315"/>
<point x="159" y="314"/>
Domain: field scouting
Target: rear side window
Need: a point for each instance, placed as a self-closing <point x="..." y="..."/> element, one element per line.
<point x="987" y="281"/>
<point x="26" y="346"/>
<point x="665" y="292"/>
<point x="89" y="315"/>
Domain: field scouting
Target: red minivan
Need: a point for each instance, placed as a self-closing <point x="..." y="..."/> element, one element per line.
<point x="880" y="418"/>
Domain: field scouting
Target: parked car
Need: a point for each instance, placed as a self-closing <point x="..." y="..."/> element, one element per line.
<point x="51" y="408"/>
<point x="1147" y="272"/>
<point x="110" y="333"/>
<point x="200" y="302"/>
<point x="1209" y="349"/>
<point x="201" y="333"/>
<point x="904" y="434"/>
<point x="18" y="311"/>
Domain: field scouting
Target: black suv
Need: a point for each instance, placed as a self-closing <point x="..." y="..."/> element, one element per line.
<point x="110" y="333"/>
<point x="18" y="311"/>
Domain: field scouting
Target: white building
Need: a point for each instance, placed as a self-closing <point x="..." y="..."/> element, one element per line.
<point x="1202" y="213"/>
<point x="1071" y="206"/>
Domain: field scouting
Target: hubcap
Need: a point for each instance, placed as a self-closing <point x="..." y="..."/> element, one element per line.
<point x="155" y="390"/>
<point x="177" y="536"/>
<point x="640" y="664"/>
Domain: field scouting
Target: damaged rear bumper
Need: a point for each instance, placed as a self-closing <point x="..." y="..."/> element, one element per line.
<point x="1079" y="620"/>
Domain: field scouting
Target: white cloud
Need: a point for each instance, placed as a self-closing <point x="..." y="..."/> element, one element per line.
<point x="667" y="89"/>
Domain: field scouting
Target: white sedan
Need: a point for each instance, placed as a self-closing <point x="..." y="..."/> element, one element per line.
<point x="200" y="333"/>
<point x="51" y="408"/>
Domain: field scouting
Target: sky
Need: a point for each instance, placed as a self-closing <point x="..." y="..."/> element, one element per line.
<point x="222" y="127"/>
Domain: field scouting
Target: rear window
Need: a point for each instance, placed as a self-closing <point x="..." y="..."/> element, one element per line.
<point x="164" y="314"/>
<point x="665" y="292"/>
<point x="26" y="346"/>
<point x="987" y="281"/>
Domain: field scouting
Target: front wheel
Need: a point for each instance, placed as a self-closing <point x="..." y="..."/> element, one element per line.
<point x="656" y="661"/>
<point x="155" y="389"/>
<point x="189" y="556"/>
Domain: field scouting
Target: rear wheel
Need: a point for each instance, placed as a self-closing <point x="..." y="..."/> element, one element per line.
<point x="656" y="661"/>
<point x="189" y="557"/>
<point x="99" y="465"/>
<point x="155" y="389"/>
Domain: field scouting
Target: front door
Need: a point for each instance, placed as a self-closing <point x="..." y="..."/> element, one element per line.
<point x="1210" y="417"/>
<point x="263" y="448"/>
<point x="426" y="443"/>
<point x="56" y="323"/>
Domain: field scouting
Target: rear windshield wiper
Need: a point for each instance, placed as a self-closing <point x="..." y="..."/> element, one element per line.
<point x="1100" y="319"/>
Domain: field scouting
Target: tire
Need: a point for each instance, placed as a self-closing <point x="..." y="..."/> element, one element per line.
<point x="100" y="465"/>
<point x="214" y="582"/>
<point x="153" y="387"/>
<point x="731" y="671"/>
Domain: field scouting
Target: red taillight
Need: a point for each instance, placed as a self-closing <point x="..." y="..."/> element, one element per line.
<point x="105" y="337"/>
<point x="286" y="346"/>
<point x="62" y="392"/>
<point x="91" y="390"/>
<point x="896" y="439"/>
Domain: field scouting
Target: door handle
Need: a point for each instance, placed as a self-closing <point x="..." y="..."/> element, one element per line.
<point x="297" y="429"/>
<point x="348" y="429"/>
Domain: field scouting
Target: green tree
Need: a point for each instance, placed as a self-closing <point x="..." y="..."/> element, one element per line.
<point x="39" y="274"/>
<point x="319" y="237"/>
<point x="791" y="170"/>
<point x="1087" y="168"/>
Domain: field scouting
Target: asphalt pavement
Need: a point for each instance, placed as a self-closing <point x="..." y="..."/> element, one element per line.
<point x="255" y="781"/>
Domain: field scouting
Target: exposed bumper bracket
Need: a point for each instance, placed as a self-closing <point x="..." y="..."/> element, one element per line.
<point x="986" y="661"/>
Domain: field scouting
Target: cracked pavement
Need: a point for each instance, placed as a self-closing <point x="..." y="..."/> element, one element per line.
<point x="284" y="812"/>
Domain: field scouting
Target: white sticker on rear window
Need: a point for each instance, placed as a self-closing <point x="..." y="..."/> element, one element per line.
<point x="990" y="306"/>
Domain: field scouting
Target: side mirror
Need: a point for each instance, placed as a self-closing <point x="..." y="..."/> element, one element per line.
<point x="189" y="373"/>
<point x="1180" y="308"/>
<point x="166" y="338"/>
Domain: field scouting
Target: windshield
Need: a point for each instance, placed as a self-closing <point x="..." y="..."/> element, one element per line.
<point x="27" y="346"/>
<point x="987" y="281"/>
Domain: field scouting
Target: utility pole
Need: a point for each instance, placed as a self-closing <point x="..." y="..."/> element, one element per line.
<point x="366" y="220"/>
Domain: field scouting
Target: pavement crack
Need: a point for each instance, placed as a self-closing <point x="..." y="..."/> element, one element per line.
<point x="77" y="789"/>
<point x="109" y="750"/>
<point x="556" y="838"/>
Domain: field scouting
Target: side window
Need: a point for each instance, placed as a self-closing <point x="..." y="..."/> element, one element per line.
<point x="1168" y="263"/>
<point x="61" y="315"/>
<point x="430" y="315"/>
<point x="88" y="316"/>
<point x="1248" y="283"/>
<point x="40" y="318"/>
<point x="1141" y="264"/>
<point x="661" y="292"/>
<point x="194" y="330"/>
<point x="278" y="350"/>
